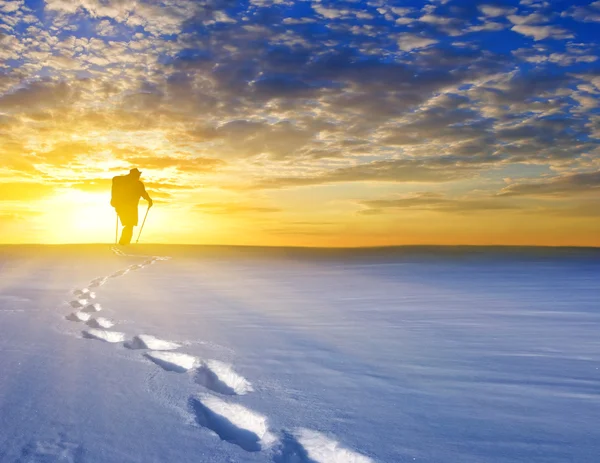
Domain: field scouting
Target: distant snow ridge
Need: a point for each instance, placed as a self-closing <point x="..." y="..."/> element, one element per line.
<point x="100" y="322"/>
<point x="321" y="449"/>
<point x="104" y="335"/>
<point x="145" y="341"/>
<point x="78" y="317"/>
<point x="173" y="361"/>
<point x="220" y="377"/>
<point x="91" y="308"/>
<point x="232" y="422"/>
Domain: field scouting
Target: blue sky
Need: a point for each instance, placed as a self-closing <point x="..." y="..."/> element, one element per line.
<point x="438" y="107"/>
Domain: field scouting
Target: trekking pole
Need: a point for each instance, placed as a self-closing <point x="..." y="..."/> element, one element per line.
<point x="117" y="228"/>
<point x="143" y="223"/>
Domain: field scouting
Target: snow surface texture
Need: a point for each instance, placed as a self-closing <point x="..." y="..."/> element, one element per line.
<point x="173" y="361"/>
<point x="100" y="322"/>
<point x="384" y="361"/>
<point x="220" y="377"/>
<point x="231" y="422"/>
<point x="321" y="449"/>
<point x="78" y="317"/>
<point x="145" y="341"/>
<point x="104" y="335"/>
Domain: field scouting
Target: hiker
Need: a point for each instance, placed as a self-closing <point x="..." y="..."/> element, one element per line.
<point x="126" y="193"/>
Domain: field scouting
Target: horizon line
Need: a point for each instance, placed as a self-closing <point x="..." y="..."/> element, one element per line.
<point x="390" y="246"/>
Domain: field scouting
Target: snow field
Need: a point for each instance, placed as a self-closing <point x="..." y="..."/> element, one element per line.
<point x="231" y="422"/>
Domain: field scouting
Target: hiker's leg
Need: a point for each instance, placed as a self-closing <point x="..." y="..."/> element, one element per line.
<point x="126" y="234"/>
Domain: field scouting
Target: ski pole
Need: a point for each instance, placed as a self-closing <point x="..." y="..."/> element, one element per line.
<point x="143" y="223"/>
<point x="117" y="228"/>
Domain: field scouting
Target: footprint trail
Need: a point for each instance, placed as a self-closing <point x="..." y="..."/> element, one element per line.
<point x="230" y="421"/>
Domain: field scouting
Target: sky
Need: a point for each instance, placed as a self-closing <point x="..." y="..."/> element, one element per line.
<point x="303" y="122"/>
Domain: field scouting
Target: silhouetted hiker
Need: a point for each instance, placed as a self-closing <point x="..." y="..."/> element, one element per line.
<point x="126" y="193"/>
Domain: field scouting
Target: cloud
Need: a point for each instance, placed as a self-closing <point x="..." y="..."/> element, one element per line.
<point x="410" y="42"/>
<point x="25" y="191"/>
<point x="38" y="95"/>
<point x="563" y="186"/>
<point x="224" y="208"/>
<point x="106" y="28"/>
<point x="493" y="11"/>
<point x="587" y="14"/>
<point x="434" y="202"/>
<point x="159" y="18"/>
<point x="97" y="185"/>
<point x="543" y="32"/>
<point x="533" y="18"/>
<point x="183" y="164"/>
<point x="397" y="171"/>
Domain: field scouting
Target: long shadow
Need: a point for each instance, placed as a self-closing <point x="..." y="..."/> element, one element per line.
<point x="224" y="428"/>
<point x="209" y="379"/>
<point x="165" y="364"/>
<point x="291" y="451"/>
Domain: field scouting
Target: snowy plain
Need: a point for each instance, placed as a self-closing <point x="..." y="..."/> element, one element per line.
<point x="193" y="354"/>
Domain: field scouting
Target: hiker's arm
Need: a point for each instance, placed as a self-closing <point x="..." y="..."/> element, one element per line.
<point x="146" y="196"/>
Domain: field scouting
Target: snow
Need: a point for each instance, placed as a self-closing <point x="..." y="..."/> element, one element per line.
<point x="100" y="322"/>
<point x="146" y="341"/>
<point x="78" y="317"/>
<point x="233" y="423"/>
<point x="104" y="335"/>
<point x="220" y="377"/>
<point x="173" y="361"/>
<point x="91" y="308"/>
<point x="299" y="356"/>
<point x="324" y="450"/>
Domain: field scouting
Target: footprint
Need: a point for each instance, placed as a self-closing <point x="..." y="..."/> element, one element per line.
<point x="220" y="377"/>
<point x="232" y="422"/>
<point x="104" y="335"/>
<point x="99" y="322"/>
<point x="78" y="317"/>
<point x="120" y="273"/>
<point x="78" y="303"/>
<point x="145" y="341"/>
<point x="98" y="282"/>
<point x="291" y="451"/>
<point x="307" y="446"/>
<point x="52" y="450"/>
<point x="92" y="308"/>
<point x="173" y="361"/>
<point x="84" y="293"/>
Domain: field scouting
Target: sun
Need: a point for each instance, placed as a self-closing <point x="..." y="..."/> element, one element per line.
<point x="75" y="216"/>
